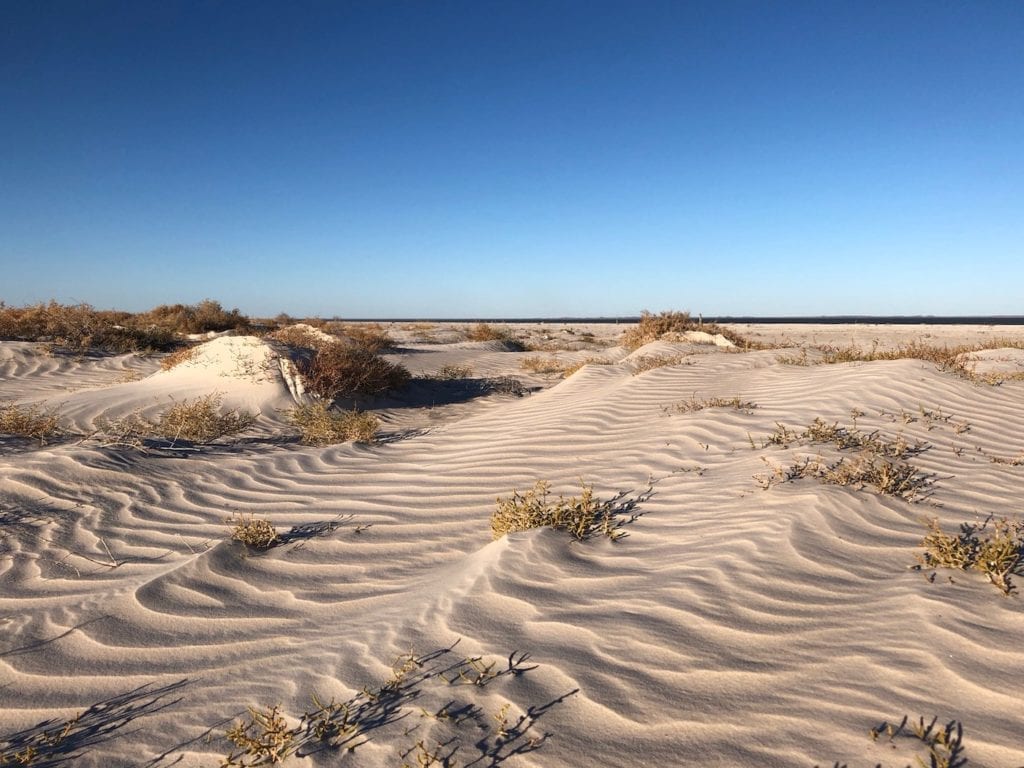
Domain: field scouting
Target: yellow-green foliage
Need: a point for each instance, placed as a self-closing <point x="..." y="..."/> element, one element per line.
<point x="253" y="531"/>
<point x="199" y="420"/>
<point x="998" y="554"/>
<point x="322" y="426"/>
<point x="32" y="421"/>
<point x="580" y="515"/>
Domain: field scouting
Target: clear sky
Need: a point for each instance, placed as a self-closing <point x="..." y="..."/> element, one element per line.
<point x="487" y="159"/>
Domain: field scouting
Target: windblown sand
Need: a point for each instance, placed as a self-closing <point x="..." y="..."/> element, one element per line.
<point x="733" y="626"/>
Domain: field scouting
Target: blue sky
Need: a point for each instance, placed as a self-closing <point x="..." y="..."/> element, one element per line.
<point x="487" y="159"/>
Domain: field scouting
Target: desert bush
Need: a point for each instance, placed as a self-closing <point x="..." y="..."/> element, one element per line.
<point x="581" y="515"/>
<point x="488" y="332"/>
<point x="370" y="336"/>
<point x="32" y="421"/>
<point x="208" y="315"/>
<point x="536" y="364"/>
<point x="998" y="554"/>
<point x="300" y="338"/>
<point x="653" y="327"/>
<point x="452" y="372"/>
<point x="199" y="420"/>
<point x="341" y="370"/>
<point x="504" y="385"/>
<point x="646" y="363"/>
<point x="80" y="328"/>
<point x="321" y="426"/>
<point x="252" y="531"/>
<point x="693" y="404"/>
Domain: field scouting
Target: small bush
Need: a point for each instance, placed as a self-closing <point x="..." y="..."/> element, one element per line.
<point x="453" y="372"/>
<point x="32" y="421"/>
<point x="693" y="404"/>
<point x="488" y="332"/>
<point x="199" y="420"/>
<point x="536" y="364"/>
<point x="252" y="531"/>
<point x="372" y="336"/>
<point x="646" y="363"/>
<point x="653" y="327"/>
<point x="265" y="740"/>
<point x="580" y="515"/>
<point x="321" y="426"/>
<point x="998" y="555"/>
<point x="341" y="370"/>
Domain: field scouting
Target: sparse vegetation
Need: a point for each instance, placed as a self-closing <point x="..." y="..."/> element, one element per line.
<point x="943" y="745"/>
<point x="370" y="336"/>
<point x="954" y="359"/>
<point x="253" y="531"/>
<point x="341" y="370"/>
<point x="646" y="363"/>
<point x="653" y="327"/>
<point x="998" y="552"/>
<point x="31" y="421"/>
<point x="581" y="515"/>
<point x="197" y="420"/>
<point x="174" y="359"/>
<point x="452" y="372"/>
<point x="488" y="332"/>
<point x="693" y="404"/>
<point x="320" y="425"/>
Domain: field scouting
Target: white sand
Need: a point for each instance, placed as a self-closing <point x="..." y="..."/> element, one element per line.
<point x="733" y="626"/>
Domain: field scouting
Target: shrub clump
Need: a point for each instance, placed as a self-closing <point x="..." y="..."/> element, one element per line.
<point x="998" y="555"/>
<point x="31" y="421"/>
<point x="653" y="327"/>
<point x="252" y="531"/>
<point x="340" y="370"/>
<point x="321" y="426"/>
<point x="197" y="420"/>
<point x="581" y="515"/>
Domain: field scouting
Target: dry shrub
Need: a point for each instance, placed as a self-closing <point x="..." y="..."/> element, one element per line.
<point x="370" y="336"/>
<point x="299" y="338"/>
<point x="452" y="372"/>
<point x="650" y="362"/>
<point x="199" y="420"/>
<point x="542" y="365"/>
<point x="175" y="359"/>
<point x="79" y="328"/>
<point x="581" y="515"/>
<point x="488" y="332"/>
<point x="208" y="315"/>
<point x="693" y="404"/>
<point x="340" y="371"/>
<point x="653" y="327"/>
<point x="32" y="421"/>
<point x="321" y="426"/>
<point x="252" y="531"/>
<point x="998" y="555"/>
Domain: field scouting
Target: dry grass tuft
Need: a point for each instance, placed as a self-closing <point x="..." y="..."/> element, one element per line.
<point x="32" y="421"/>
<point x="646" y="363"/>
<point x="998" y="555"/>
<point x="174" y="359"/>
<point x="265" y="739"/>
<point x="488" y="332"/>
<point x="581" y="515"/>
<point x="252" y="531"/>
<point x="550" y="365"/>
<point x="693" y="404"/>
<point x="199" y="420"/>
<point x="370" y="336"/>
<point x="321" y="426"/>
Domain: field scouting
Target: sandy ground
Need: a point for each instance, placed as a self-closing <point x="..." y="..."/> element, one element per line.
<point x="735" y="625"/>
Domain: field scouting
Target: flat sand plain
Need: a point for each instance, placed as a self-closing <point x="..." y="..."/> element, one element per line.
<point x="744" y="620"/>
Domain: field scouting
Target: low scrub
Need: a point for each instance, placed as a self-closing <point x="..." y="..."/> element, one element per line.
<point x="488" y="332"/>
<point x="319" y="425"/>
<point x="369" y="336"/>
<point x="998" y="552"/>
<point x="581" y="516"/>
<point x="196" y="420"/>
<point x="453" y="372"/>
<point x="252" y="531"/>
<point x="646" y="363"/>
<point x="693" y="404"/>
<point x="550" y="365"/>
<point x="653" y="327"/>
<point x="341" y="371"/>
<point x="174" y="359"/>
<point x="31" y="421"/>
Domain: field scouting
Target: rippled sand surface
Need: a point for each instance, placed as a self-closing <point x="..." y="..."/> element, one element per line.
<point x="733" y="626"/>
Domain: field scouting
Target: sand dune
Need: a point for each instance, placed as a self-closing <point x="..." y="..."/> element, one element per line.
<point x="734" y="625"/>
